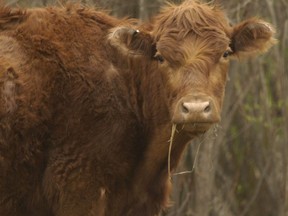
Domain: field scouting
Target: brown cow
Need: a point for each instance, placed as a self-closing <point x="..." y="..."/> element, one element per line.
<point x="87" y="103"/>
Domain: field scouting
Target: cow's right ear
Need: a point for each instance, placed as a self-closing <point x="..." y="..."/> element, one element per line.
<point x="131" y="41"/>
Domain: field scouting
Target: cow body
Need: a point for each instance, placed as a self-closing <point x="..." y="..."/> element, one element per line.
<point x="87" y="104"/>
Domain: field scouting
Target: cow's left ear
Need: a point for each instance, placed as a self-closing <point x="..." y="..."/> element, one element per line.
<point x="131" y="41"/>
<point x="251" y="37"/>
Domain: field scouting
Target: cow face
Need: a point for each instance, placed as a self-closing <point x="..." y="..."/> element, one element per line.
<point x="192" y="44"/>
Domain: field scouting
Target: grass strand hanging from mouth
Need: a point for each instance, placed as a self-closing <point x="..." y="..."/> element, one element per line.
<point x="170" y="149"/>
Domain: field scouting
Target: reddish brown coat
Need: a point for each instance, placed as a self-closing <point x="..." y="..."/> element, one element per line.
<point x="87" y="103"/>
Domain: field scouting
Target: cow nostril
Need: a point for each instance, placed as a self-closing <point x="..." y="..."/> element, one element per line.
<point x="184" y="108"/>
<point x="196" y="107"/>
<point x="207" y="108"/>
<point x="195" y="110"/>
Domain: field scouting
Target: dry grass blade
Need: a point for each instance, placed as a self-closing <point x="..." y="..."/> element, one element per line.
<point x="170" y="148"/>
<point x="194" y="162"/>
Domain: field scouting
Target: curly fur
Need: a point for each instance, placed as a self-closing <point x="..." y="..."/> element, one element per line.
<point x="85" y="108"/>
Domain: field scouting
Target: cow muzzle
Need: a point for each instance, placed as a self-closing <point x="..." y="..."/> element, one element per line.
<point x="196" y="112"/>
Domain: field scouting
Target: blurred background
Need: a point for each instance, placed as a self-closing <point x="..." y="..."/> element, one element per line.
<point x="239" y="168"/>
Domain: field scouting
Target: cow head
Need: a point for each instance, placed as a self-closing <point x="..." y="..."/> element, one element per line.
<point x="192" y="44"/>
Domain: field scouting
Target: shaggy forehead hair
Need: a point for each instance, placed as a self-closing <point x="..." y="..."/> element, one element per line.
<point x="191" y="16"/>
<point x="205" y="21"/>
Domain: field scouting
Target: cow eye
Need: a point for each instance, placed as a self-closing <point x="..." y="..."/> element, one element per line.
<point x="159" y="58"/>
<point x="226" y="53"/>
<point x="135" y="32"/>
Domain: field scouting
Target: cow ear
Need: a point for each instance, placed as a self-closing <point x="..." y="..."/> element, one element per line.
<point x="131" y="41"/>
<point x="251" y="37"/>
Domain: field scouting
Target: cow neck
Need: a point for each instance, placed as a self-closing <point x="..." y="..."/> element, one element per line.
<point x="145" y="88"/>
<point x="148" y="90"/>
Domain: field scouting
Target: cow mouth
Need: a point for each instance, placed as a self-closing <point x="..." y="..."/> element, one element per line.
<point x="197" y="128"/>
